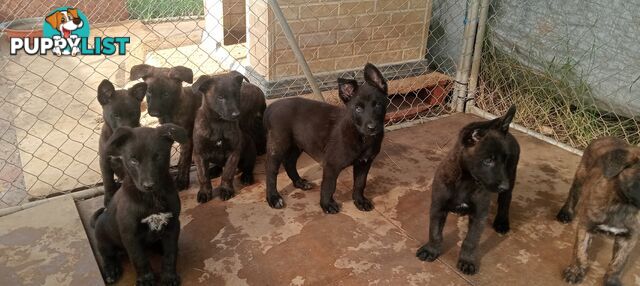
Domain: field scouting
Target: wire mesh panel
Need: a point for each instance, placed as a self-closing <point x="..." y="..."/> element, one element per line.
<point x="571" y="67"/>
<point x="50" y="118"/>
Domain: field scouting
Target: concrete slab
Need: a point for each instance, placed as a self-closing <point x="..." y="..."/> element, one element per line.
<point x="46" y="245"/>
<point x="244" y="242"/>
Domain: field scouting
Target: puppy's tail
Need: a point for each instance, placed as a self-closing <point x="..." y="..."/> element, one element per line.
<point x="95" y="216"/>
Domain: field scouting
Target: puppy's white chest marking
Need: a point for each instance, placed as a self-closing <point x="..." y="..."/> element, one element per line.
<point x="219" y="143"/>
<point x="612" y="229"/>
<point x="157" y="221"/>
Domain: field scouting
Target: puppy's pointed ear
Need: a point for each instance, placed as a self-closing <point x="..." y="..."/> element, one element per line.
<point x="615" y="161"/>
<point x="374" y="77"/>
<point x="117" y="140"/>
<point x="140" y="71"/>
<point x="54" y="19"/>
<point x="105" y="91"/>
<point x="173" y="132"/>
<point x="202" y="84"/>
<point x="239" y="77"/>
<point x="181" y="73"/>
<point x="503" y="122"/>
<point x="347" y="88"/>
<point x="138" y="91"/>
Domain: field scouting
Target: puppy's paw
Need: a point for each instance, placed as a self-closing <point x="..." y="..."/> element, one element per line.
<point x="564" y="216"/>
<point x="363" y="204"/>
<point x="612" y="281"/>
<point x="247" y="179"/>
<point x="146" y="279"/>
<point x="467" y="267"/>
<point x="275" y="201"/>
<point x="204" y="196"/>
<point x="303" y="184"/>
<point x="501" y="226"/>
<point x="428" y="253"/>
<point x="330" y="207"/>
<point x="226" y="193"/>
<point x="182" y="182"/>
<point x="574" y="274"/>
<point x="170" y="279"/>
<point x="112" y="272"/>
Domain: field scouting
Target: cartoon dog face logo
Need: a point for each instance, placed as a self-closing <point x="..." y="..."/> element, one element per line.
<point x="65" y="21"/>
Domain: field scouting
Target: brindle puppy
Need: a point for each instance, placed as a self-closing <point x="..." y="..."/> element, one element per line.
<point x="484" y="160"/>
<point x="608" y="178"/>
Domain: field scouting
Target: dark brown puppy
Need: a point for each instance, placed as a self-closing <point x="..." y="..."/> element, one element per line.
<point x="146" y="208"/>
<point x="119" y="108"/>
<point x="608" y="178"/>
<point x="170" y="102"/>
<point x="484" y="160"/>
<point x="336" y="137"/>
<point x="227" y="126"/>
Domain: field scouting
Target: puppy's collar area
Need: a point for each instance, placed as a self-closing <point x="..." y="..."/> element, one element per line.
<point x="157" y="221"/>
<point x="611" y="230"/>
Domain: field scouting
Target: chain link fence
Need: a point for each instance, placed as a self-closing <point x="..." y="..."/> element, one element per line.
<point x="571" y="67"/>
<point x="50" y="118"/>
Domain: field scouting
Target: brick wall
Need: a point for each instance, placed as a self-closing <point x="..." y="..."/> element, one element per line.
<point x="234" y="21"/>
<point x="342" y="35"/>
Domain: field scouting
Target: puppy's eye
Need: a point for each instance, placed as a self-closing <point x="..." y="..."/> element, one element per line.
<point x="133" y="161"/>
<point x="116" y="115"/>
<point x="220" y="96"/>
<point x="488" y="162"/>
<point x="359" y="109"/>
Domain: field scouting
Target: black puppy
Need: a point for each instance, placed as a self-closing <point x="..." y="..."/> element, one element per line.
<point x="608" y="178"/>
<point x="483" y="160"/>
<point x="336" y="137"/>
<point x="145" y="209"/>
<point x="170" y="102"/>
<point x="227" y="127"/>
<point x="119" y="108"/>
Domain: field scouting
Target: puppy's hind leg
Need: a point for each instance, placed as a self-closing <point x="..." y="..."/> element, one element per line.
<point x="578" y="269"/>
<point x="621" y="250"/>
<point x="290" y="162"/>
<point x="111" y="268"/>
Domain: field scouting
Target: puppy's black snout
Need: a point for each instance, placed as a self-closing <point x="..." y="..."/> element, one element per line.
<point x="503" y="187"/>
<point x="235" y="114"/>
<point x="77" y="21"/>
<point x="372" y="126"/>
<point x="147" y="186"/>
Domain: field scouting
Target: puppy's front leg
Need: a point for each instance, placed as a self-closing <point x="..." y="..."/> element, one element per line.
<point x="437" y="218"/>
<point x="468" y="261"/>
<point x="575" y="272"/>
<point x="170" y="255"/>
<point x="205" y="193"/>
<point x="501" y="221"/>
<point x="108" y="181"/>
<point x="184" y="165"/>
<point x="229" y="171"/>
<point x="360" y="172"/>
<point x="327" y="188"/>
<point x="137" y="255"/>
<point x="621" y="250"/>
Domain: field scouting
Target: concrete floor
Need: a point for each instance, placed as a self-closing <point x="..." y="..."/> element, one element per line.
<point x="243" y="241"/>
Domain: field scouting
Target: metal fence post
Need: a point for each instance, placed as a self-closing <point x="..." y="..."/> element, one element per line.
<point x="464" y="63"/>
